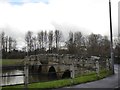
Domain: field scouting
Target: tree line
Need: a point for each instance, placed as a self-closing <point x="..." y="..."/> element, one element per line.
<point x="43" y="42"/>
<point x="8" y="47"/>
<point x="51" y="42"/>
<point x="77" y="43"/>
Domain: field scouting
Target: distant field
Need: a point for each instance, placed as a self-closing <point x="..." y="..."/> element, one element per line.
<point x="7" y="62"/>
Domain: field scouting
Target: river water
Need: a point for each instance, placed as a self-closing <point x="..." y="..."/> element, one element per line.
<point x="39" y="77"/>
<point x="12" y="80"/>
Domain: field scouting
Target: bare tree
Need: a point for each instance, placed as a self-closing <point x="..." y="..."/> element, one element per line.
<point x="70" y="44"/>
<point x="42" y="38"/>
<point x="105" y="46"/>
<point x="6" y="43"/>
<point x="79" y="41"/>
<point x="29" y="40"/>
<point x="78" y="38"/>
<point x="10" y="43"/>
<point x="3" y="40"/>
<point x="39" y="39"/>
<point x="50" y="38"/>
<point x="45" y="39"/>
<point x="57" y="37"/>
<point x="98" y="45"/>
<point x="93" y="44"/>
<point x="14" y="44"/>
<point x="35" y="43"/>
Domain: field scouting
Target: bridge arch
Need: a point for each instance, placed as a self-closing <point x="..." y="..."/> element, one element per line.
<point x="52" y="73"/>
<point x="32" y="67"/>
<point x="66" y="74"/>
<point x="39" y="68"/>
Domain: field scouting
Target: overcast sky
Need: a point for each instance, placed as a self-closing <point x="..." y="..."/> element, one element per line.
<point x="87" y="16"/>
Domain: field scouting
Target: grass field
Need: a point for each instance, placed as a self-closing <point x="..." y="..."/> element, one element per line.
<point x="9" y="62"/>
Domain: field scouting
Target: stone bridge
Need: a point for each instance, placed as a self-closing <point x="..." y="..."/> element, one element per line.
<point x="60" y="66"/>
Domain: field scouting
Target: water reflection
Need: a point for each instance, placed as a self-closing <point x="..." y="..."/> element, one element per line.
<point x="20" y="79"/>
<point x="12" y="80"/>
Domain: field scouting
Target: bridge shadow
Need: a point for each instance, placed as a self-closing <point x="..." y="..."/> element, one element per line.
<point x="31" y="68"/>
<point x="52" y="73"/>
<point x="35" y="69"/>
<point x="66" y="74"/>
<point x="39" y="69"/>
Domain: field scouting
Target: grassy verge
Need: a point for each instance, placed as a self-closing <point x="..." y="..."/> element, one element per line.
<point x="7" y="62"/>
<point x="65" y="82"/>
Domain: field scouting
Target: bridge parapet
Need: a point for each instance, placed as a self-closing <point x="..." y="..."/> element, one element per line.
<point x="46" y="58"/>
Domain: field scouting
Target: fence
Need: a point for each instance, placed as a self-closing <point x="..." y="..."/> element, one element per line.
<point x="75" y="69"/>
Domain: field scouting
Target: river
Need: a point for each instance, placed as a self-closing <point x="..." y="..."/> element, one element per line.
<point x="39" y="77"/>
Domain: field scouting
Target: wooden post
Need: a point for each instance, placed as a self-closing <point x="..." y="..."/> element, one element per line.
<point x="97" y="68"/>
<point x="110" y="62"/>
<point x="72" y="71"/>
<point x="107" y="64"/>
<point x="26" y="76"/>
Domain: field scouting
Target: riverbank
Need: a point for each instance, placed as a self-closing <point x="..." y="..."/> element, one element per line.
<point x="63" y="83"/>
<point x="11" y="62"/>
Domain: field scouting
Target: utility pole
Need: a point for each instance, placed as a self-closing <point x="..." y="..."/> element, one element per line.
<point x="111" y="40"/>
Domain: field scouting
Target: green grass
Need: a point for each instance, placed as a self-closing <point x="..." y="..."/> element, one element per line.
<point x="65" y="82"/>
<point x="8" y="62"/>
